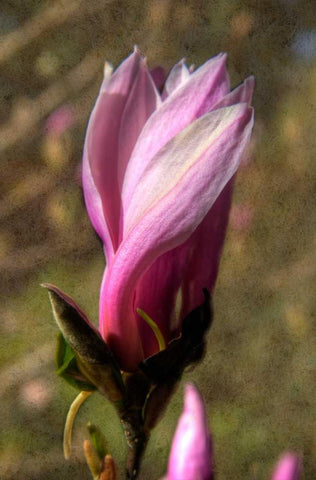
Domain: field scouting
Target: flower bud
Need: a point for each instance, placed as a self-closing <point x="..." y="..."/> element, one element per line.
<point x="190" y="457"/>
<point x="288" y="468"/>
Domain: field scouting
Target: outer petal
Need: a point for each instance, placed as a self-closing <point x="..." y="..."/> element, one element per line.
<point x="178" y="75"/>
<point x="205" y="87"/>
<point x="103" y="163"/>
<point x="288" y="468"/>
<point x="190" y="456"/>
<point x="176" y="192"/>
<point x="122" y="337"/>
<point x="205" y="249"/>
<point x="142" y="101"/>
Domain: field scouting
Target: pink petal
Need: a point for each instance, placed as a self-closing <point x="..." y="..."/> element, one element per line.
<point x="288" y="468"/>
<point x="210" y="137"/>
<point x="143" y="100"/>
<point x="190" y="456"/>
<point x="178" y="75"/>
<point x="205" y="87"/>
<point x="173" y="196"/>
<point x="128" y="96"/>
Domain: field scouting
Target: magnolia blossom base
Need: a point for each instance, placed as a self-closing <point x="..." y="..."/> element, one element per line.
<point x="140" y="397"/>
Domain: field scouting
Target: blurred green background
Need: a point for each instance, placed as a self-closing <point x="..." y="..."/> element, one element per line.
<point x="259" y="375"/>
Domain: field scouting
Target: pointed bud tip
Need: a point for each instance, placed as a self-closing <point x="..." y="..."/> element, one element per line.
<point x="137" y="51"/>
<point x="222" y="56"/>
<point x="193" y="401"/>
<point x="251" y="78"/>
<point x="52" y="290"/>
<point x="107" y="69"/>
<point x="289" y="467"/>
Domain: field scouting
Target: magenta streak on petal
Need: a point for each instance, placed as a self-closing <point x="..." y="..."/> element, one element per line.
<point x="158" y="75"/>
<point x="101" y="155"/>
<point x="191" y="452"/>
<point x="206" y="85"/>
<point x="169" y="223"/>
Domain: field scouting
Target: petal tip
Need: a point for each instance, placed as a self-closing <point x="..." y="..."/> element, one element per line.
<point x="107" y="69"/>
<point x="137" y="51"/>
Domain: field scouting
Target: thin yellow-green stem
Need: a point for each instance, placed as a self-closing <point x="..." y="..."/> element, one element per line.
<point x="153" y="325"/>
<point x="73" y="410"/>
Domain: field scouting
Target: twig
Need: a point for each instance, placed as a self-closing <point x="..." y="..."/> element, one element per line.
<point x="36" y="110"/>
<point x="47" y="19"/>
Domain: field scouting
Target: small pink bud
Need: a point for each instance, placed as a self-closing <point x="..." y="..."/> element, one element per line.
<point x="288" y="468"/>
<point x="191" y="450"/>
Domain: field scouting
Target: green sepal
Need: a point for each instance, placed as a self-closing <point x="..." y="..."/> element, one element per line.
<point x="67" y="367"/>
<point x="98" y="440"/>
<point x="93" y="359"/>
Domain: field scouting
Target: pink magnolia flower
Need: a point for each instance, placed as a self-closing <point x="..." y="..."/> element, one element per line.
<point x="190" y="456"/>
<point x="158" y="176"/>
<point x="288" y="468"/>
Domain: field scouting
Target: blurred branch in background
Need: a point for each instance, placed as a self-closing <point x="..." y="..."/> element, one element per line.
<point x="16" y="374"/>
<point x="27" y="116"/>
<point x="47" y="19"/>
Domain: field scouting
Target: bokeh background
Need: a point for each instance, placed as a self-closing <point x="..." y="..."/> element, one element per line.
<point x="259" y="375"/>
